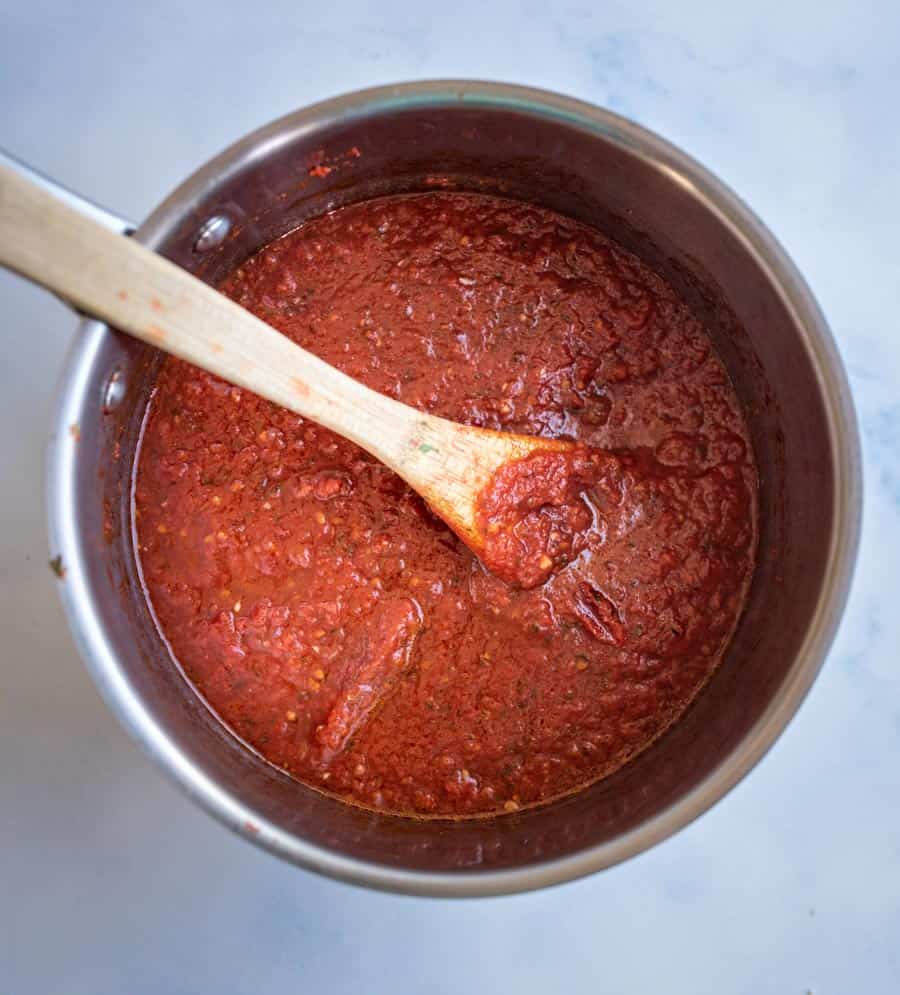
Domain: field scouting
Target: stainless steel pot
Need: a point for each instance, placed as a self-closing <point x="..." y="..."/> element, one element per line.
<point x="584" y="162"/>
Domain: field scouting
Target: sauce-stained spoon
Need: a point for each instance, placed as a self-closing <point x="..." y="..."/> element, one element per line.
<point x="482" y="483"/>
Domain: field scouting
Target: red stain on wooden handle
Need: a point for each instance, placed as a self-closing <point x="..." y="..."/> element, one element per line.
<point x="156" y="334"/>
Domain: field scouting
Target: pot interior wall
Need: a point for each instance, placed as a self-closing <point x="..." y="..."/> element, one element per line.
<point x="582" y="173"/>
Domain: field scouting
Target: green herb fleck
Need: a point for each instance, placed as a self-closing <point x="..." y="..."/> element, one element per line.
<point x="425" y="448"/>
<point x="56" y="565"/>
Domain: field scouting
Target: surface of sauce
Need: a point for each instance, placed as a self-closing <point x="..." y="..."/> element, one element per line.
<point x="340" y="628"/>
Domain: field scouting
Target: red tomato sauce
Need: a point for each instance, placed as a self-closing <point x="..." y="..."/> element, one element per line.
<point x="535" y="512"/>
<point x="339" y="628"/>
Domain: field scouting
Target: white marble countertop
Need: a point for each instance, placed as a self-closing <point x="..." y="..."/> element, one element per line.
<point x="110" y="881"/>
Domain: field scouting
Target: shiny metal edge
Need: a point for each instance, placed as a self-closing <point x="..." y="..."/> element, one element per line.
<point x="120" y="696"/>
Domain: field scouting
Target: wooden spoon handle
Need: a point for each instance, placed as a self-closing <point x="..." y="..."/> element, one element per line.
<point x="114" y="278"/>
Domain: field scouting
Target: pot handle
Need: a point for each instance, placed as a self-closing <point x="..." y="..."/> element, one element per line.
<point x="73" y="200"/>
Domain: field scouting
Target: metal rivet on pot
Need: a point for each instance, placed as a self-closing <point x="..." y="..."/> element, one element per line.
<point x="212" y="233"/>
<point x="114" y="392"/>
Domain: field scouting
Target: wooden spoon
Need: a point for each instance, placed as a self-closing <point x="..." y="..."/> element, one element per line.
<point x="108" y="275"/>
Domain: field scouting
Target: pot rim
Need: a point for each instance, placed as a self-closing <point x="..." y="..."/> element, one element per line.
<point x="766" y="252"/>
